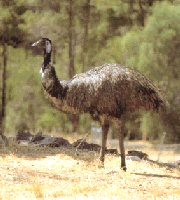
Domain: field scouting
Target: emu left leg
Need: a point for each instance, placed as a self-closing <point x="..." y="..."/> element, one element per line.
<point x="105" y="128"/>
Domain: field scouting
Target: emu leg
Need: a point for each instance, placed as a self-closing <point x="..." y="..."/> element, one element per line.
<point x="121" y="147"/>
<point x="105" y="129"/>
<point x="120" y="125"/>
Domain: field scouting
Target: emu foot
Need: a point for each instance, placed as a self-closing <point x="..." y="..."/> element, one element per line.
<point x="124" y="168"/>
<point x="101" y="163"/>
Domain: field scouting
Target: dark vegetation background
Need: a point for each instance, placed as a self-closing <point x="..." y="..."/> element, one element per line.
<point x="86" y="33"/>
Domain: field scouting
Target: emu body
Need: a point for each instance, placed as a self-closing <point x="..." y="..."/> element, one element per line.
<point x="106" y="93"/>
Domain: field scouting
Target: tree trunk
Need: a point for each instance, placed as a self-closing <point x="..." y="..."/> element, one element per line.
<point x="32" y="110"/>
<point x="3" y="111"/>
<point x="71" y="53"/>
<point x="73" y="118"/>
<point x="86" y="23"/>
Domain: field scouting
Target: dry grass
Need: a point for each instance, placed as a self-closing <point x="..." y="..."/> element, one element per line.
<point x="29" y="172"/>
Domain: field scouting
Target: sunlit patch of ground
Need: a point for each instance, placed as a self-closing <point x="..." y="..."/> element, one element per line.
<point x="29" y="172"/>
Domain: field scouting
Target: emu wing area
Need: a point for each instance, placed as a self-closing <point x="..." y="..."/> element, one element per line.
<point x="113" y="90"/>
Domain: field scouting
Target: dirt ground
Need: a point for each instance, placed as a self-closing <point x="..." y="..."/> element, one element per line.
<point x="30" y="172"/>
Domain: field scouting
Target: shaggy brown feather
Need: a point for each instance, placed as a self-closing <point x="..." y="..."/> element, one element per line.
<point x="110" y="89"/>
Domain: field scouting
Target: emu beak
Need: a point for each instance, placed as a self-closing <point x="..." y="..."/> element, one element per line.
<point x="38" y="43"/>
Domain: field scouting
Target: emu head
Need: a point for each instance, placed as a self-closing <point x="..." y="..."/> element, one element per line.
<point x="45" y="43"/>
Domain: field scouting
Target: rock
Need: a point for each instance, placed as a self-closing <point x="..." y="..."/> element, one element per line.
<point x="112" y="151"/>
<point x="91" y="147"/>
<point x="84" y="145"/>
<point x="55" y="142"/>
<point x="26" y="136"/>
<point x="95" y="147"/>
<point x="81" y="145"/>
<point x="37" y="138"/>
<point x="60" y="142"/>
<point x="140" y="154"/>
<point x="47" y="141"/>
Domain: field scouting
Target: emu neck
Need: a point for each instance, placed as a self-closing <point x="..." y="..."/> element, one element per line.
<point x="51" y="83"/>
<point x="47" y="58"/>
<point x="49" y="78"/>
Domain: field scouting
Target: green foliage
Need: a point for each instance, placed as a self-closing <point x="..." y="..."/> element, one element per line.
<point x="151" y="126"/>
<point x="130" y="44"/>
<point x="154" y="50"/>
<point x="11" y="21"/>
<point x="48" y="121"/>
<point x="117" y="32"/>
<point x="111" y="53"/>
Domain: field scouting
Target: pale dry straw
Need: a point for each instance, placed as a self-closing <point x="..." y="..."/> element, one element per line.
<point x="57" y="173"/>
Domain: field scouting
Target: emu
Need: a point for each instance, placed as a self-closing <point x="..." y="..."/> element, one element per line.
<point x="107" y="93"/>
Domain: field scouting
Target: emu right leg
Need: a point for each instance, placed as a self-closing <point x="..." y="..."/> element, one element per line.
<point x="120" y="125"/>
<point x="105" y="129"/>
<point x="122" y="149"/>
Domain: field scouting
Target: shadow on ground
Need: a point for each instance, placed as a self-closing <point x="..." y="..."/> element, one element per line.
<point x="156" y="175"/>
<point x="37" y="152"/>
